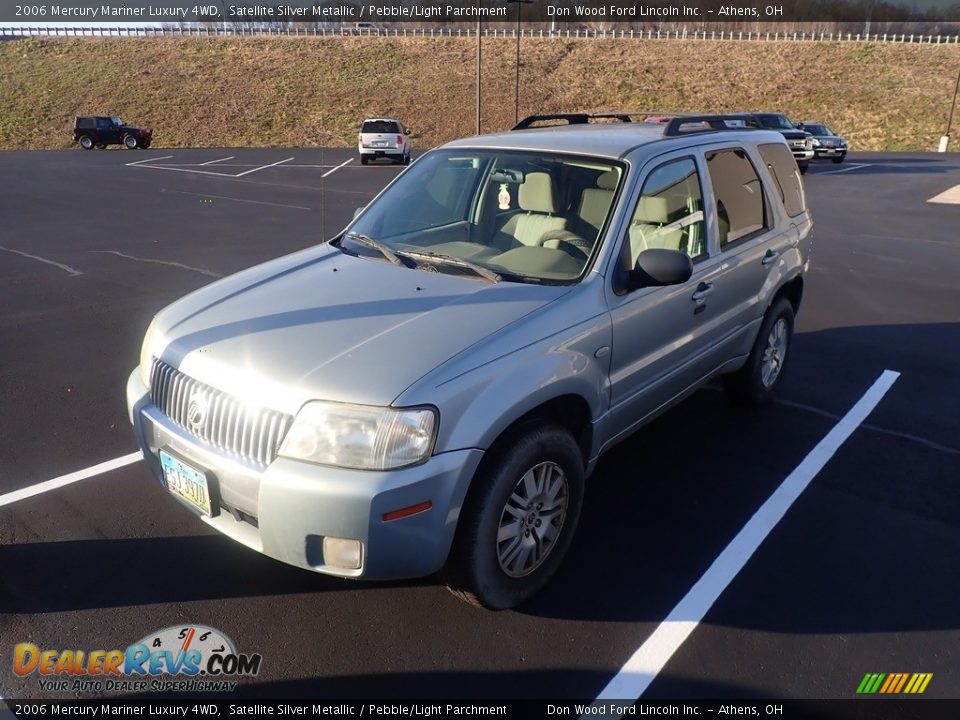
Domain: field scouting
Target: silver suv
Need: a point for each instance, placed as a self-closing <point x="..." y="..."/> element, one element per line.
<point x="384" y="138"/>
<point x="430" y="389"/>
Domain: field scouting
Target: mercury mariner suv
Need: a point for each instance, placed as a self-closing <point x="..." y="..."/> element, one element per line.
<point x="430" y="389"/>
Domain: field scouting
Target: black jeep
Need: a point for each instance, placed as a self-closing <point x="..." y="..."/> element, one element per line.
<point x="98" y="132"/>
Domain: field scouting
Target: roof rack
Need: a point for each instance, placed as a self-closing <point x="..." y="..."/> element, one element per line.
<point x="582" y="118"/>
<point x="714" y="123"/>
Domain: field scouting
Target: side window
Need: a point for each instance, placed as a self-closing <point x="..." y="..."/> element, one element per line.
<point x="738" y="192"/>
<point x="103" y="123"/>
<point x="669" y="213"/>
<point x="786" y="176"/>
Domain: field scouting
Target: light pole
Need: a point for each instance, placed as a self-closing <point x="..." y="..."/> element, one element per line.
<point x="516" y="110"/>
<point x="945" y="140"/>
<point x="479" y="43"/>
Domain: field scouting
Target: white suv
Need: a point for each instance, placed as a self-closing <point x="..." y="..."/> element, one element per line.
<point x="383" y="137"/>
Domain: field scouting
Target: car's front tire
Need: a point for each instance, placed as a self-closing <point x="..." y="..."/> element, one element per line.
<point x="131" y="142"/>
<point x="757" y="381"/>
<point x="837" y="160"/>
<point x="86" y="142"/>
<point x="519" y="518"/>
<point x="363" y="160"/>
<point x="803" y="168"/>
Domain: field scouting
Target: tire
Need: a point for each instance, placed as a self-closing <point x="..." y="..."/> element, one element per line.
<point x="837" y="160"/>
<point x="511" y="489"/>
<point x="363" y="160"/>
<point x="757" y="381"/>
<point x="804" y="168"/>
<point x="406" y="159"/>
<point x="145" y="145"/>
<point x="86" y="142"/>
<point x="131" y="142"/>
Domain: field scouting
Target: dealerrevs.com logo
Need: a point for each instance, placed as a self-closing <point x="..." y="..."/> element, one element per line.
<point x="194" y="658"/>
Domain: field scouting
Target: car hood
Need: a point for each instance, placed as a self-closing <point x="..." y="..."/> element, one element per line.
<point x="794" y="134"/>
<point x="321" y="324"/>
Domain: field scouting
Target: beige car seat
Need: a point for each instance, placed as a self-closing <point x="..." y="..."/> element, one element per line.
<point x="535" y="198"/>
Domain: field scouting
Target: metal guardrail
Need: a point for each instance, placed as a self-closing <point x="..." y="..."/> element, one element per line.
<point x="243" y="31"/>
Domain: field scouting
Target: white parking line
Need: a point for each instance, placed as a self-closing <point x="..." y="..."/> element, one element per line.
<point x="69" y="269"/>
<point x="852" y="166"/>
<point x="263" y="167"/>
<point x="187" y="170"/>
<point x="211" y="162"/>
<point x="949" y="197"/>
<point x="646" y="663"/>
<point x="146" y="160"/>
<point x="331" y="172"/>
<point x="202" y="271"/>
<point x="68" y="479"/>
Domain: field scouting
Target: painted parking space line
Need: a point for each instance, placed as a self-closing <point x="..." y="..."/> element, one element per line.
<point x="67" y="268"/>
<point x="263" y="167"/>
<point x="950" y="196"/>
<point x="170" y="263"/>
<point x="211" y="162"/>
<point x="343" y="164"/>
<point x="851" y="166"/>
<point x="70" y="478"/>
<point x="187" y="170"/>
<point x="146" y="160"/>
<point x="645" y="664"/>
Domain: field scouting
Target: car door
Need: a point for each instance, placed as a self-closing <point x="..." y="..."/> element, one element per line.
<point x="751" y="237"/>
<point x="662" y="337"/>
<point x="106" y="131"/>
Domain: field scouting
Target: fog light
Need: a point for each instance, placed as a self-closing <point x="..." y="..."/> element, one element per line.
<point x="342" y="553"/>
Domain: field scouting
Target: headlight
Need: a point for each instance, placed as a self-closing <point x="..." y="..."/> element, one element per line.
<point x="815" y="142"/>
<point x="360" y="436"/>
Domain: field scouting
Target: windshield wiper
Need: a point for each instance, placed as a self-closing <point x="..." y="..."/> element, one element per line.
<point x="376" y="245"/>
<point x="483" y="272"/>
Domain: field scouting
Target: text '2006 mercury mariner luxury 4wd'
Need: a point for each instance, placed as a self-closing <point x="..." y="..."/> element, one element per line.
<point x="430" y="389"/>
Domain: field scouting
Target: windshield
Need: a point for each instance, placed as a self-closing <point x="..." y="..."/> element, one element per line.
<point x="777" y="122"/>
<point x="525" y="216"/>
<point x="116" y="120"/>
<point x="815" y="129"/>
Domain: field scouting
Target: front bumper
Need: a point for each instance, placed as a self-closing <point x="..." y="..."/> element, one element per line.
<point x="287" y="509"/>
<point x="802" y="155"/>
<point x="828" y="152"/>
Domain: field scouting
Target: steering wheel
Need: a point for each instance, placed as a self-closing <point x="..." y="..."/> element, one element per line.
<point x="569" y="242"/>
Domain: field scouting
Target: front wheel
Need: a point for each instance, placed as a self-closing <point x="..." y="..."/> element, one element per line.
<point x="803" y="168"/>
<point x="519" y="518"/>
<point x="837" y="160"/>
<point x="756" y="382"/>
<point x="86" y="142"/>
<point x="131" y="142"/>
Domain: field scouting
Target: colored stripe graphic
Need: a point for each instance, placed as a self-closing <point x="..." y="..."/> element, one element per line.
<point x="894" y="683"/>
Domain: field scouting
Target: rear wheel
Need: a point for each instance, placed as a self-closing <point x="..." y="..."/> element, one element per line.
<point x="146" y="144"/>
<point x="756" y="382"/>
<point x="131" y="142"/>
<point x="363" y="160"/>
<point x="86" y="142"/>
<point x="519" y="518"/>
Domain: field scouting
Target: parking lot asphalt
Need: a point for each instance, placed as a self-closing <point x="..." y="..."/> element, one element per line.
<point x="861" y="575"/>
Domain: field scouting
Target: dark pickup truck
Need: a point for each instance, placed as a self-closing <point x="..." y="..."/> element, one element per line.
<point x="800" y="141"/>
<point x="98" y="132"/>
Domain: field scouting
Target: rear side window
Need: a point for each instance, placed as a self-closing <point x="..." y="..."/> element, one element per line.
<point x="738" y="193"/>
<point x="379" y="126"/>
<point x="786" y="176"/>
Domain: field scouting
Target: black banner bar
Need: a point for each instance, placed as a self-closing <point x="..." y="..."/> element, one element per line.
<point x="873" y="708"/>
<point x="383" y="12"/>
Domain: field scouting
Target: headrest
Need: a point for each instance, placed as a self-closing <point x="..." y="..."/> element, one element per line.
<point x="536" y="193"/>
<point x="652" y="210"/>
<point x="608" y="180"/>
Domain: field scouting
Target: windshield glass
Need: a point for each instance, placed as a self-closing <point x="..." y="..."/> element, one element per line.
<point x="815" y="129"/>
<point x="526" y="216"/>
<point x="777" y="122"/>
<point x="117" y="120"/>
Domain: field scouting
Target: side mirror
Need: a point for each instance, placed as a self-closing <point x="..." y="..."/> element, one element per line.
<point x="799" y="126"/>
<point x="659" y="267"/>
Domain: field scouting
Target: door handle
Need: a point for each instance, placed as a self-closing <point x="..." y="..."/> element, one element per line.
<point x="703" y="289"/>
<point x="770" y="257"/>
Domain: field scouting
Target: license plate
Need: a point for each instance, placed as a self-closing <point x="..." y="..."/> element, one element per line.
<point x="186" y="482"/>
<point x="380" y="143"/>
<point x="831" y="151"/>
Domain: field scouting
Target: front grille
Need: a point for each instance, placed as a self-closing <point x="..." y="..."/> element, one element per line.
<point x="218" y="419"/>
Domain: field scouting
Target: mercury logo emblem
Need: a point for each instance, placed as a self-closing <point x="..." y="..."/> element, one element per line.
<point x="197" y="412"/>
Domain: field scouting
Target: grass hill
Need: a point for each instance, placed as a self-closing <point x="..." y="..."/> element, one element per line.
<point x="314" y="91"/>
